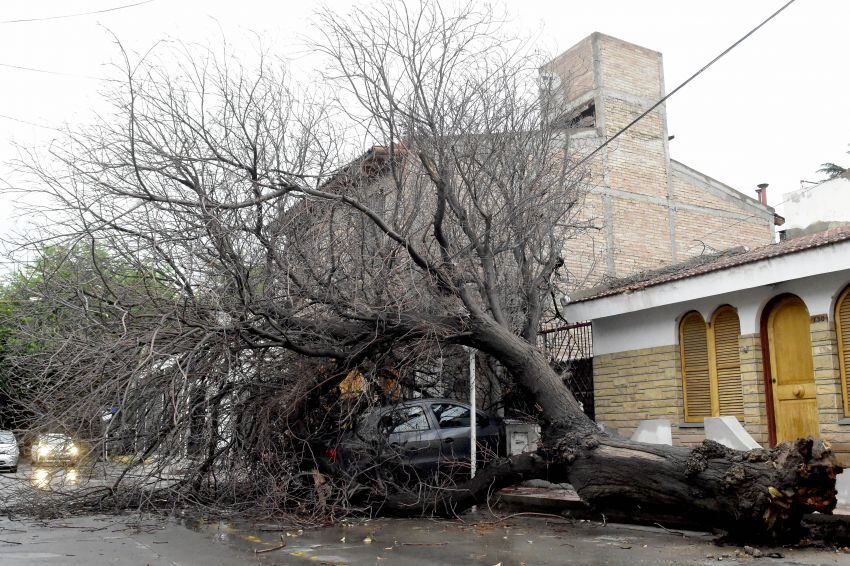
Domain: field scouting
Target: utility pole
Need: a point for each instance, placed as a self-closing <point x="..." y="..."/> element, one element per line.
<point x="473" y="428"/>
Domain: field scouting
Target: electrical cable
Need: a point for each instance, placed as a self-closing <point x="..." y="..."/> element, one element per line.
<point x="675" y="90"/>
<point x="59" y="73"/>
<point x="27" y="122"/>
<point x="64" y="16"/>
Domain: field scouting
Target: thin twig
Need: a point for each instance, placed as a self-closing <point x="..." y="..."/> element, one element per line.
<point x="521" y="514"/>
<point x="669" y="531"/>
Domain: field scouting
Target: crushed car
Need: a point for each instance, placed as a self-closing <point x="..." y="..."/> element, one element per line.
<point x="418" y="437"/>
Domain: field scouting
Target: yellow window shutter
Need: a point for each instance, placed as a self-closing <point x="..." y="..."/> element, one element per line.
<point x="726" y="329"/>
<point x="695" y="368"/>
<point x="842" y="329"/>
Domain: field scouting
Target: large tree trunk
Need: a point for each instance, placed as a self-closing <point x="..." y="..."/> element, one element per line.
<point x="762" y="493"/>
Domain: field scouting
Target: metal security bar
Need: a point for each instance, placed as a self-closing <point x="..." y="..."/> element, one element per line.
<point x="570" y="351"/>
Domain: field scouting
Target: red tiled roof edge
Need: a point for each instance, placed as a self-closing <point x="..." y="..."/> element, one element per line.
<point x="722" y="261"/>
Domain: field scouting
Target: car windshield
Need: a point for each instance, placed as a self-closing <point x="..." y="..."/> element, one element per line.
<point x="54" y="439"/>
<point x="6" y="437"/>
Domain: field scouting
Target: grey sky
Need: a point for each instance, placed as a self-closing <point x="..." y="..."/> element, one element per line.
<point x="770" y="111"/>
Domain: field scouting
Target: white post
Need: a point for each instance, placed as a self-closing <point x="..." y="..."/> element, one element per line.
<point x="473" y="425"/>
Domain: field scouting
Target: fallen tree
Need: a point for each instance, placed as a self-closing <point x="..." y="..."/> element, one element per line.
<point x="755" y="495"/>
<point x="254" y="236"/>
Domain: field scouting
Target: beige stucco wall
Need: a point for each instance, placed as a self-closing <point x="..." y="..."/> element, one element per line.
<point x="646" y="384"/>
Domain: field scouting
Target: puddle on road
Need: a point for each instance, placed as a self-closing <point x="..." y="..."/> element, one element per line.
<point x="45" y="479"/>
<point x="367" y="541"/>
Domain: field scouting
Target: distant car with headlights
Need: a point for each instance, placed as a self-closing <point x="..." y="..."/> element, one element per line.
<point x="54" y="449"/>
<point x="9" y="452"/>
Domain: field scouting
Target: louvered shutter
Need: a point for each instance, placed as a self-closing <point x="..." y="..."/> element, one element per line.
<point x="727" y="329"/>
<point x="842" y="329"/>
<point x="695" y="372"/>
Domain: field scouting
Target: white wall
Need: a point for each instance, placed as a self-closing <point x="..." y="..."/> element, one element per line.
<point x="658" y="326"/>
<point x="774" y="271"/>
<point x="826" y="202"/>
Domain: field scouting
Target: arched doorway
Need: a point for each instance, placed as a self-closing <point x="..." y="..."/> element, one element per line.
<point x="789" y="371"/>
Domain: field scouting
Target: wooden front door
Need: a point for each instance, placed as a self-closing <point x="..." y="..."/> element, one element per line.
<point x="795" y="408"/>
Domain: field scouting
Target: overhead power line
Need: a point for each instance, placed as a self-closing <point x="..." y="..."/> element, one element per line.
<point x="75" y="15"/>
<point x="678" y="88"/>
<point x="58" y="73"/>
<point x="27" y="122"/>
<point x="103" y="79"/>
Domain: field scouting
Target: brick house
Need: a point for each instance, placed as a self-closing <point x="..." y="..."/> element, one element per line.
<point x="650" y="209"/>
<point x="760" y="334"/>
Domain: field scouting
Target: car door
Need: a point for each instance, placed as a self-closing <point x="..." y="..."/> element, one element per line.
<point x="453" y="420"/>
<point x="411" y="435"/>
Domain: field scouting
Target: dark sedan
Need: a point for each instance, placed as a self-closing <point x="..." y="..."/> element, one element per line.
<point x="424" y="435"/>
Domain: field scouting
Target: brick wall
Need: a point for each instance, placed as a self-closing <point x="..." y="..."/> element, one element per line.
<point x="648" y="213"/>
<point x="697" y="232"/>
<point x="642" y="384"/>
<point x="640" y="245"/>
<point x="752" y="385"/>
<point x="575" y="68"/>
<point x="646" y="384"/>
<point x="629" y="69"/>
<point x="828" y="386"/>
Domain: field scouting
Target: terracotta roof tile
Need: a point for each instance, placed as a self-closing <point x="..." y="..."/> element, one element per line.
<point x="715" y="262"/>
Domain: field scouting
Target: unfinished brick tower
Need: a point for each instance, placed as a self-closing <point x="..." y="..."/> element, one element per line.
<point x="648" y="209"/>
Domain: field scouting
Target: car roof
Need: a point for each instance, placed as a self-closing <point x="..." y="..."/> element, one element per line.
<point x="413" y="402"/>
<point x="423" y="400"/>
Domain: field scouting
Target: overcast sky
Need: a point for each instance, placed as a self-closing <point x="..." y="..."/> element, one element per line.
<point x="770" y="111"/>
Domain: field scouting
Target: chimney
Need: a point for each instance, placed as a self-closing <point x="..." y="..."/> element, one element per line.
<point x="761" y="191"/>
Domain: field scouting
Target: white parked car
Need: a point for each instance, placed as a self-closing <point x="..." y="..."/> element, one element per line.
<point x="9" y="452"/>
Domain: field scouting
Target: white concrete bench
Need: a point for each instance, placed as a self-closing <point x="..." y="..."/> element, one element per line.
<point x="654" y="431"/>
<point x="729" y="432"/>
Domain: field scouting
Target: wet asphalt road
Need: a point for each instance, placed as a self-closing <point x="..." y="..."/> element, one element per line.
<point x="478" y="539"/>
<point x="128" y="540"/>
